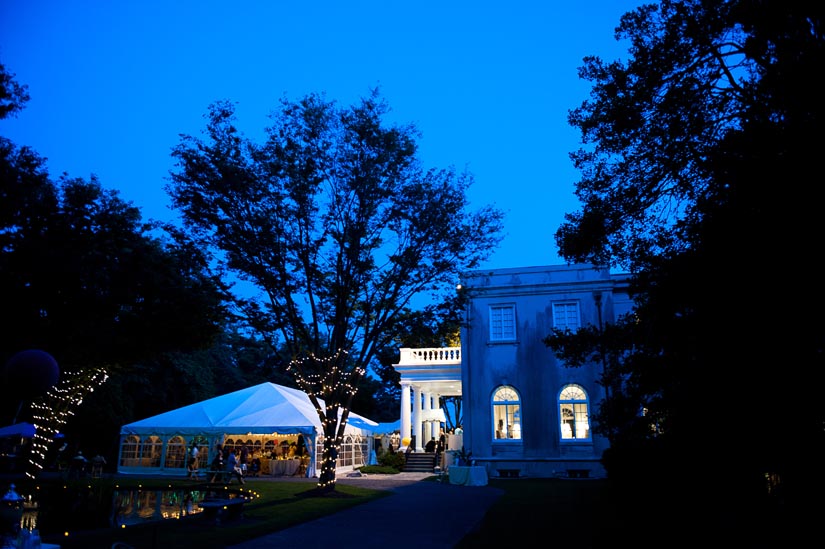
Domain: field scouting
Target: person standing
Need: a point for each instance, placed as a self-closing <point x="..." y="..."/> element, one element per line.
<point x="233" y="469"/>
<point x="217" y="467"/>
<point x="244" y="458"/>
<point x="192" y="462"/>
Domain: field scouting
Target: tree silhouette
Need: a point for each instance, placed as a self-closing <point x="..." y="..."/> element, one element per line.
<point x="699" y="155"/>
<point x="336" y="225"/>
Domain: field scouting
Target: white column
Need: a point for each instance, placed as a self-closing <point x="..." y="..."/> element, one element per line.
<point x="428" y="426"/>
<point x="435" y="425"/>
<point x="417" y="419"/>
<point x="406" y="428"/>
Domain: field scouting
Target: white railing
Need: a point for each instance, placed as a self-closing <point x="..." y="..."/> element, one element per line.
<point x="436" y="355"/>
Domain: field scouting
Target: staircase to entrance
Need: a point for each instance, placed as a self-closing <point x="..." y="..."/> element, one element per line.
<point x="420" y="462"/>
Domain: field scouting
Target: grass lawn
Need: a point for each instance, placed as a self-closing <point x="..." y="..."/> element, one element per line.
<point x="553" y="512"/>
<point x="597" y="514"/>
<point x="565" y="513"/>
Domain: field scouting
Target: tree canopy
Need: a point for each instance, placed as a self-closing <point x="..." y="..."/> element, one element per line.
<point x="699" y="153"/>
<point x="84" y="279"/>
<point x="336" y="225"/>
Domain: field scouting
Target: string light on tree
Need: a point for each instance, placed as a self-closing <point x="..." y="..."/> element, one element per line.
<point x="51" y="412"/>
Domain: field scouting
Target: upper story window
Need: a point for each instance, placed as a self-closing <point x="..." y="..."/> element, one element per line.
<point x="566" y="315"/>
<point x="506" y="413"/>
<point x="503" y="322"/>
<point x="573" y="411"/>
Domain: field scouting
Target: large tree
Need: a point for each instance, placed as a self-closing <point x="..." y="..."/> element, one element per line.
<point x="700" y="153"/>
<point x="84" y="279"/>
<point x="334" y="221"/>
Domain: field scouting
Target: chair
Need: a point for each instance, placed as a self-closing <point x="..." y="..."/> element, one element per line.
<point x="97" y="470"/>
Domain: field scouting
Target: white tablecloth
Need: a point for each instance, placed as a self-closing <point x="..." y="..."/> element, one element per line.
<point x="468" y="476"/>
<point x="283" y="467"/>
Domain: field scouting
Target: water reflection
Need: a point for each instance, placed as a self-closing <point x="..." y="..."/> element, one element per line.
<point x="57" y="511"/>
<point x="131" y="507"/>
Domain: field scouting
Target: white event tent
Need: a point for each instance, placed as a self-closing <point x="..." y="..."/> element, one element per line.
<point x="266" y="417"/>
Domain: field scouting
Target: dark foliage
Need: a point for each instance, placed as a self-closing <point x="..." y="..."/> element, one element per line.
<point x="704" y="147"/>
<point x="83" y="278"/>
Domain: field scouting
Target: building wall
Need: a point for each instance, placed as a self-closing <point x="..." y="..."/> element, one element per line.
<point x="529" y="366"/>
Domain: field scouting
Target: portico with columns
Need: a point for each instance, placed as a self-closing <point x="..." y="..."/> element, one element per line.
<point x="426" y="375"/>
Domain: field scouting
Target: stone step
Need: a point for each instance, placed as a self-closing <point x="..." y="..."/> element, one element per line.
<point x="420" y="463"/>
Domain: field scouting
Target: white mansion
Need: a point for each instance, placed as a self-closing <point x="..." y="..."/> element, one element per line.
<point x="524" y="413"/>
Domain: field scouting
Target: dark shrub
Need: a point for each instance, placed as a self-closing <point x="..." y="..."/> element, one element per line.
<point x="396" y="461"/>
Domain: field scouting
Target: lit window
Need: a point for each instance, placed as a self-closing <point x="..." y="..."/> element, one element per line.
<point x="566" y="316"/>
<point x="129" y="451"/>
<point x="175" y="453"/>
<point x="502" y="322"/>
<point x="575" y="423"/>
<point x="151" y="449"/>
<point x="506" y="413"/>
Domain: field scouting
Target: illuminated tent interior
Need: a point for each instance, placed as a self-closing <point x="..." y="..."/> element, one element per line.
<point x="268" y="418"/>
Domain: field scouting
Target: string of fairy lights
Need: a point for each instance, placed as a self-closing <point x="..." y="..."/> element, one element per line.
<point x="331" y="384"/>
<point x="51" y="412"/>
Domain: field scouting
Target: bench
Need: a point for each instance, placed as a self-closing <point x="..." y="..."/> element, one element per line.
<point x="222" y="509"/>
<point x="223" y="476"/>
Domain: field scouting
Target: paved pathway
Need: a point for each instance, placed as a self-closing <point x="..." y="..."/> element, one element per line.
<point x="418" y="514"/>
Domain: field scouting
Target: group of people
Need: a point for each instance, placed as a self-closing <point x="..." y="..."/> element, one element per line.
<point x="226" y="465"/>
<point x="433" y="446"/>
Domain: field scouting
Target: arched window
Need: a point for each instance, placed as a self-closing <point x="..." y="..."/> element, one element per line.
<point x="345" y="452"/>
<point x="129" y="451"/>
<point x="175" y="453"/>
<point x="150" y="450"/>
<point x="573" y="411"/>
<point x="506" y="414"/>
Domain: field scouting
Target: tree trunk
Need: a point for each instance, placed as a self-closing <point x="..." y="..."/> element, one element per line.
<point x="329" y="460"/>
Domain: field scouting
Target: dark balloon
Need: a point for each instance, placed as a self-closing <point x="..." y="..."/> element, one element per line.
<point x="31" y="373"/>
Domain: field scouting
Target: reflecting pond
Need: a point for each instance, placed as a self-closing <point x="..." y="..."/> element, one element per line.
<point x="59" y="509"/>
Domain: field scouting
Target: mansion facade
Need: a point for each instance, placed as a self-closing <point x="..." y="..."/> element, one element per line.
<point x="524" y="412"/>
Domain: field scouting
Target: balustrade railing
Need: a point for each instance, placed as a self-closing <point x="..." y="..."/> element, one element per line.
<point x="435" y="355"/>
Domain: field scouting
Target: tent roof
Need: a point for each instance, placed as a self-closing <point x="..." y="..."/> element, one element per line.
<point x="24" y="430"/>
<point x="387" y="428"/>
<point x="261" y="409"/>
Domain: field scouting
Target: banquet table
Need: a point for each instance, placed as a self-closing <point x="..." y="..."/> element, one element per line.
<point x="283" y="467"/>
<point x="468" y="476"/>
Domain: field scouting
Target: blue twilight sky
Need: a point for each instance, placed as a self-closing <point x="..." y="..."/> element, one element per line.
<point x="488" y="84"/>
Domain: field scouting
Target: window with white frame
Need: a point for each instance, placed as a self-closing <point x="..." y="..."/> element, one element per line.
<point x="503" y="322"/>
<point x="573" y="411"/>
<point x="129" y="451"/>
<point x="506" y="414"/>
<point x="175" y="453"/>
<point x="151" y="449"/>
<point x="566" y="315"/>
